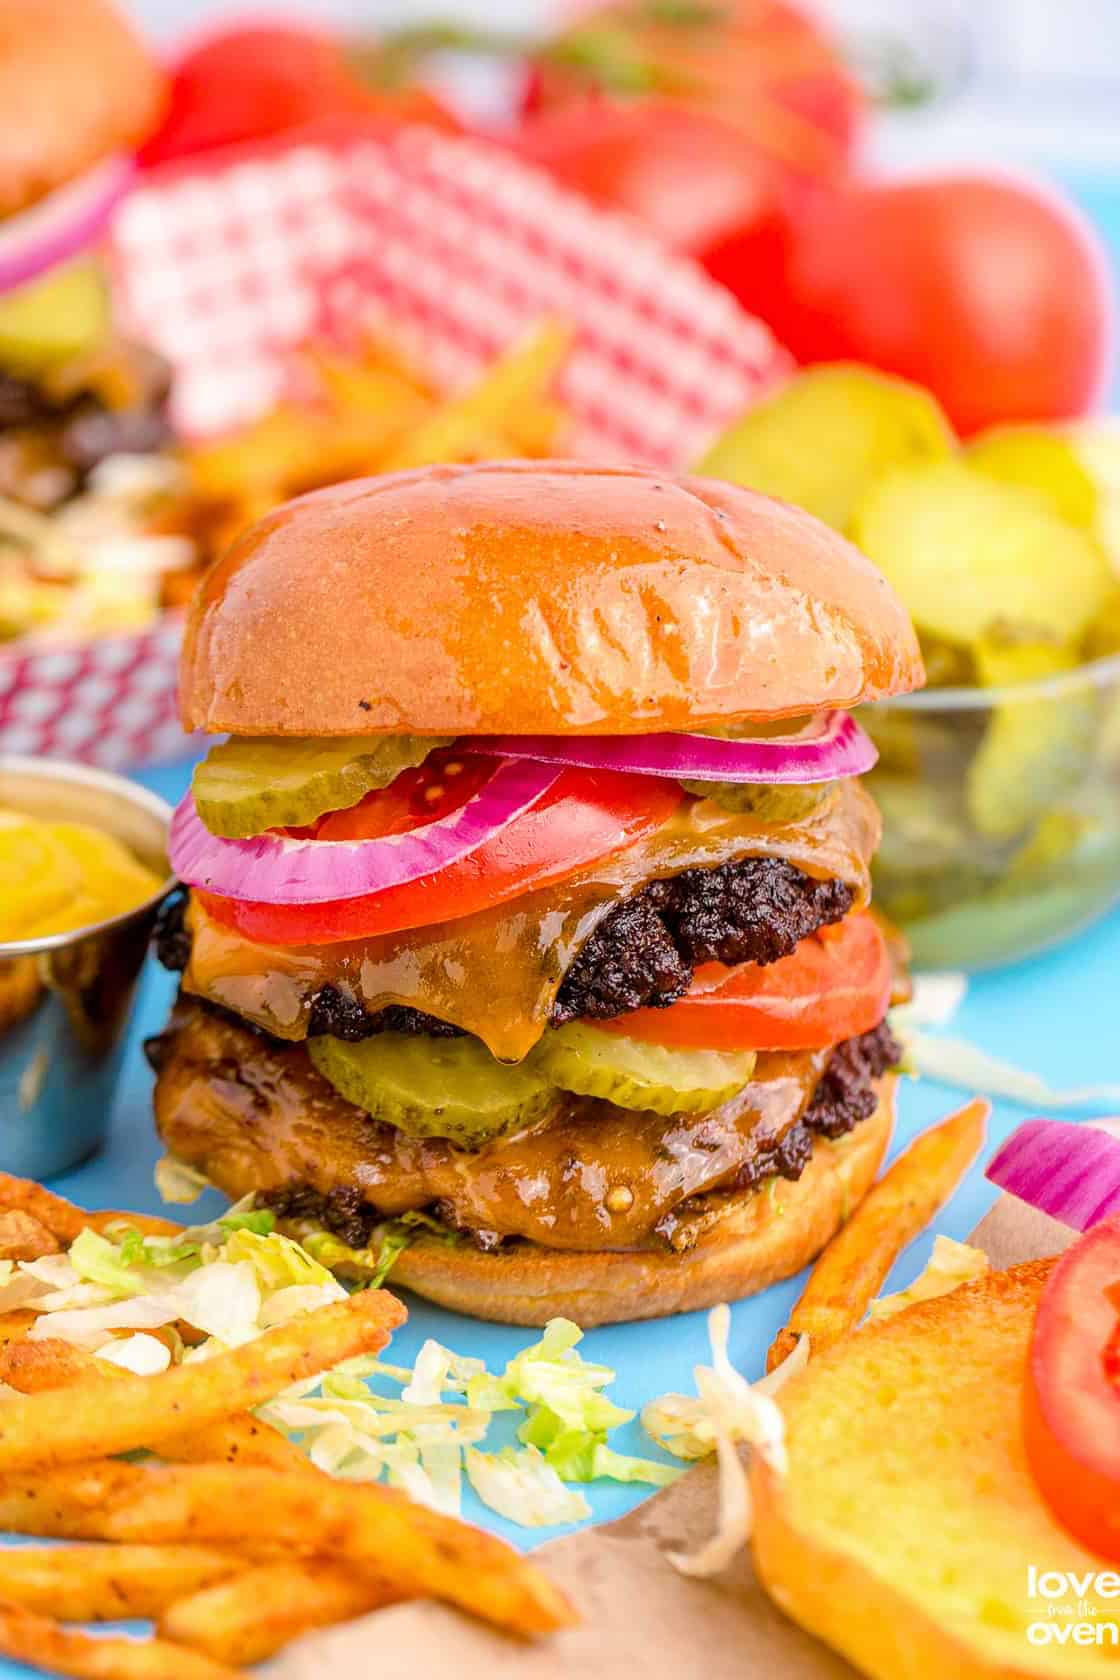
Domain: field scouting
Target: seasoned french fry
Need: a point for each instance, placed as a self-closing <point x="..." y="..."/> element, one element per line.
<point x="65" y="1425"/>
<point x="15" y="1325"/>
<point x="102" y="1583"/>
<point x="247" y="1618"/>
<point x="519" y="379"/>
<point x="35" y="1367"/>
<point x="377" y="1530"/>
<point x="57" y="1650"/>
<point x="23" y="1237"/>
<point x="852" y="1269"/>
<point x="64" y="1220"/>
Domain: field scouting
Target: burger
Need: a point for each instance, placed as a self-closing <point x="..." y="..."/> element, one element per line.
<point x="79" y="91"/>
<point x="527" y="944"/>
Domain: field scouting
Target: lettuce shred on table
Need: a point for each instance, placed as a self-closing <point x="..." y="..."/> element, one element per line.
<point x="727" y="1411"/>
<point x="968" y="1067"/>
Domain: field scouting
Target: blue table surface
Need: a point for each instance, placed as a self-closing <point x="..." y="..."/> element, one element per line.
<point x="1054" y="1015"/>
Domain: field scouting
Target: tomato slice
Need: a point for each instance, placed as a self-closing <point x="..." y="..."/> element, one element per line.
<point x="584" y="816"/>
<point x="835" y="985"/>
<point x="1071" y="1401"/>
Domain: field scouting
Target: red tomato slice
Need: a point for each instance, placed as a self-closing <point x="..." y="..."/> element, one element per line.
<point x="836" y="985"/>
<point x="584" y="816"/>
<point x="1071" y="1401"/>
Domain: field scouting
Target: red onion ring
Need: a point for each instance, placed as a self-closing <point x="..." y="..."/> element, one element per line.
<point x="830" y="746"/>
<point x="1067" y="1169"/>
<point x="272" y="869"/>
<point x="64" y="223"/>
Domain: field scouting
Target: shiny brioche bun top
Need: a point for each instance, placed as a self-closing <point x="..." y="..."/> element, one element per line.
<point x="76" y="83"/>
<point x="536" y="597"/>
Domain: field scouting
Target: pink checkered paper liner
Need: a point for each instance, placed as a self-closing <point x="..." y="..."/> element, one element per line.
<point x="228" y="263"/>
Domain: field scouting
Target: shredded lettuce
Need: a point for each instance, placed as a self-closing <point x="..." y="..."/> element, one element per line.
<point x="143" y="1355"/>
<point x="968" y="1067"/>
<point x="727" y="1410"/>
<point x="178" y="1183"/>
<point x="423" y="1442"/>
<point x="950" y="1265"/>
<point x="523" y="1487"/>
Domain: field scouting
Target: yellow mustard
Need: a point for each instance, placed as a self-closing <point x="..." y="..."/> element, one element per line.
<point x="59" y="876"/>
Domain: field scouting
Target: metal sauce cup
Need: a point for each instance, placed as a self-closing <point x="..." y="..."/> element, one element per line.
<point x="65" y="999"/>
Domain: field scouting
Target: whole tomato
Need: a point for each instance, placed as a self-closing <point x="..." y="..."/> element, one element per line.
<point x="699" y="117"/>
<point x="257" y="80"/>
<point x="989" y="291"/>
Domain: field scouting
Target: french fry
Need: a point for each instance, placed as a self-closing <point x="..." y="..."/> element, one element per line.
<point x="35" y="1367"/>
<point x="15" y="1325"/>
<point x="248" y="1618"/>
<point x="23" y="1237"/>
<point x="65" y="1425"/>
<point x="414" y="1551"/>
<point x="64" y="1220"/>
<point x="854" y="1266"/>
<point x="57" y="1650"/>
<point x="519" y="379"/>
<point x="102" y="1583"/>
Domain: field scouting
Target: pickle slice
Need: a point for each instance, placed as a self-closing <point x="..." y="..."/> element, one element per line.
<point x="52" y="319"/>
<point x="970" y="556"/>
<point x="631" y="1074"/>
<point x="434" y="1087"/>
<point x="1044" y="461"/>
<point x="824" y="439"/>
<point x="1034" y="753"/>
<point x="770" y="803"/>
<point x="243" y="786"/>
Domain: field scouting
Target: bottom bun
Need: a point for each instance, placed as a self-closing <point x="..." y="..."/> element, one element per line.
<point x="762" y="1240"/>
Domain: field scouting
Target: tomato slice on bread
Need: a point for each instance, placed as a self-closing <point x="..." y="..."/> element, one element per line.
<point x="835" y="985"/>
<point x="586" y="814"/>
<point x="1071" y="1397"/>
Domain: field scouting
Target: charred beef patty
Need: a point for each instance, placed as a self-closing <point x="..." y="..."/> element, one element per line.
<point x="253" y="1114"/>
<point x="641" y="955"/>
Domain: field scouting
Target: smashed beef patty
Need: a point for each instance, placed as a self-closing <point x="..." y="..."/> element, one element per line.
<point x="253" y="1114"/>
<point x="642" y="955"/>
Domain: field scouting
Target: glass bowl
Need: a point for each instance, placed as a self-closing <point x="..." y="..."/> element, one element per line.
<point x="1001" y="814"/>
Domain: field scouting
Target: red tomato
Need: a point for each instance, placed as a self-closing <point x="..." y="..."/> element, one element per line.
<point x="246" y="83"/>
<point x="585" y="815"/>
<point x="1071" y="1398"/>
<point x="991" y="293"/>
<point x="735" y="103"/>
<point x="835" y="985"/>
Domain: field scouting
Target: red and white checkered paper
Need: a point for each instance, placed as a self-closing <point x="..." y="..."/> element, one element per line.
<point x="453" y="247"/>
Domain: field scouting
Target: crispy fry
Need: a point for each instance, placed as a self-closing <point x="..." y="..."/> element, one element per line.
<point x="519" y="379"/>
<point x="66" y="1425"/>
<point x="23" y="1237"/>
<point x="413" y="1550"/>
<point x="102" y="1583"/>
<point x="852" y="1269"/>
<point x="64" y="1220"/>
<point x="15" y="1325"/>
<point x="35" y="1367"/>
<point x="57" y="1650"/>
<point x="248" y="1618"/>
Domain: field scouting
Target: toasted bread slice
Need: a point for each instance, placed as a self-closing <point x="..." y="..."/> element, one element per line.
<point x="905" y="1530"/>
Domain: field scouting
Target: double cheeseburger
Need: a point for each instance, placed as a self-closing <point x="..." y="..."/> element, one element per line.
<point x="78" y="92"/>
<point x="528" y="931"/>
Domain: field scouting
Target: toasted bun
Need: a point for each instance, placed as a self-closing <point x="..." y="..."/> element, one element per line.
<point x="763" y="1240"/>
<point x="76" y="83"/>
<point x="906" y="1527"/>
<point x="536" y="597"/>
